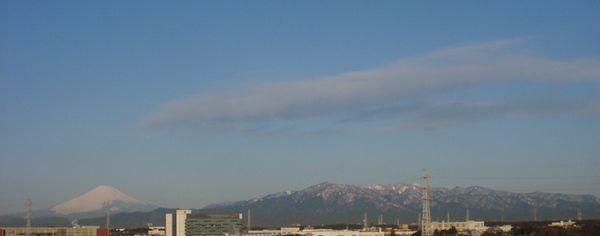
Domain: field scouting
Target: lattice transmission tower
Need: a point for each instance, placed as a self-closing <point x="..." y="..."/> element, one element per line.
<point x="426" y="218"/>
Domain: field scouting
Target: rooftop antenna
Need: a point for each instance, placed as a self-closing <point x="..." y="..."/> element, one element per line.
<point x="28" y="226"/>
<point x="426" y="220"/>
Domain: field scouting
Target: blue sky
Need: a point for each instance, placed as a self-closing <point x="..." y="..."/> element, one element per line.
<point x="190" y="103"/>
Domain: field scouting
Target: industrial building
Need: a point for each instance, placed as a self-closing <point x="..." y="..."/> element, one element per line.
<point x="188" y="224"/>
<point x="54" y="231"/>
<point x="202" y="225"/>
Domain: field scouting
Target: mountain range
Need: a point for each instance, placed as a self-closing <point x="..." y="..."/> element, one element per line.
<point x="330" y="203"/>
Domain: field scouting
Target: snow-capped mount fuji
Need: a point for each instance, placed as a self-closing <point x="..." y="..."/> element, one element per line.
<point x="100" y="200"/>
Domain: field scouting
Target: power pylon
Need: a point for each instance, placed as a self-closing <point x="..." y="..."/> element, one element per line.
<point x="426" y="219"/>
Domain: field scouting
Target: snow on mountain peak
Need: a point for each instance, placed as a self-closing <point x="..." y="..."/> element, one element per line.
<point x="93" y="200"/>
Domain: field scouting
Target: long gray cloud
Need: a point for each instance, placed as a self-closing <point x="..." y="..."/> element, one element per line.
<point x="357" y="92"/>
<point x="447" y="113"/>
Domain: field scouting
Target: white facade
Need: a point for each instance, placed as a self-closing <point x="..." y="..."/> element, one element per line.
<point x="169" y="224"/>
<point x="180" y="216"/>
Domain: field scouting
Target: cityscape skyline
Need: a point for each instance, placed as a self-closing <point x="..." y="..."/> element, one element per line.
<point x="194" y="103"/>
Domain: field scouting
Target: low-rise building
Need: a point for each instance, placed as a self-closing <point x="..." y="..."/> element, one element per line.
<point x="156" y="230"/>
<point x="460" y="226"/>
<point x="564" y="224"/>
<point x="55" y="231"/>
<point x="312" y="232"/>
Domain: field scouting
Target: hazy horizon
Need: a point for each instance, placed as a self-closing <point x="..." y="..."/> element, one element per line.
<point x="192" y="103"/>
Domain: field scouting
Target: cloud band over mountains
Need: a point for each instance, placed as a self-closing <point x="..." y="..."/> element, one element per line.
<point x="370" y="94"/>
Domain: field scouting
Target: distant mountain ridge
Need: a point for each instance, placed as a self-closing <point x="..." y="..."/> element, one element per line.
<point x="329" y="203"/>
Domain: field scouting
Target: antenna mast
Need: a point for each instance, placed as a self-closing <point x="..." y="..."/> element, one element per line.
<point x="426" y="220"/>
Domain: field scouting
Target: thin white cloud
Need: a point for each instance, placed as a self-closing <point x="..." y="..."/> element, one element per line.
<point x="357" y="92"/>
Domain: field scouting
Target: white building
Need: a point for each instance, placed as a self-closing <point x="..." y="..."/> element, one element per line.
<point x="564" y="224"/>
<point x="156" y="231"/>
<point x="180" y="216"/>
<point x="460" y="226"/>
<point x="169" y="224"/>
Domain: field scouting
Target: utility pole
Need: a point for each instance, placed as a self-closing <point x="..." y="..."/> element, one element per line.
<point x="28" y="226"/>
<point x="426" y="221"/>
<point x="365" y="222"/>
<point x="249" y="221"/>
<point x="108" y="222"/>
<point x="579" y="214"/>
